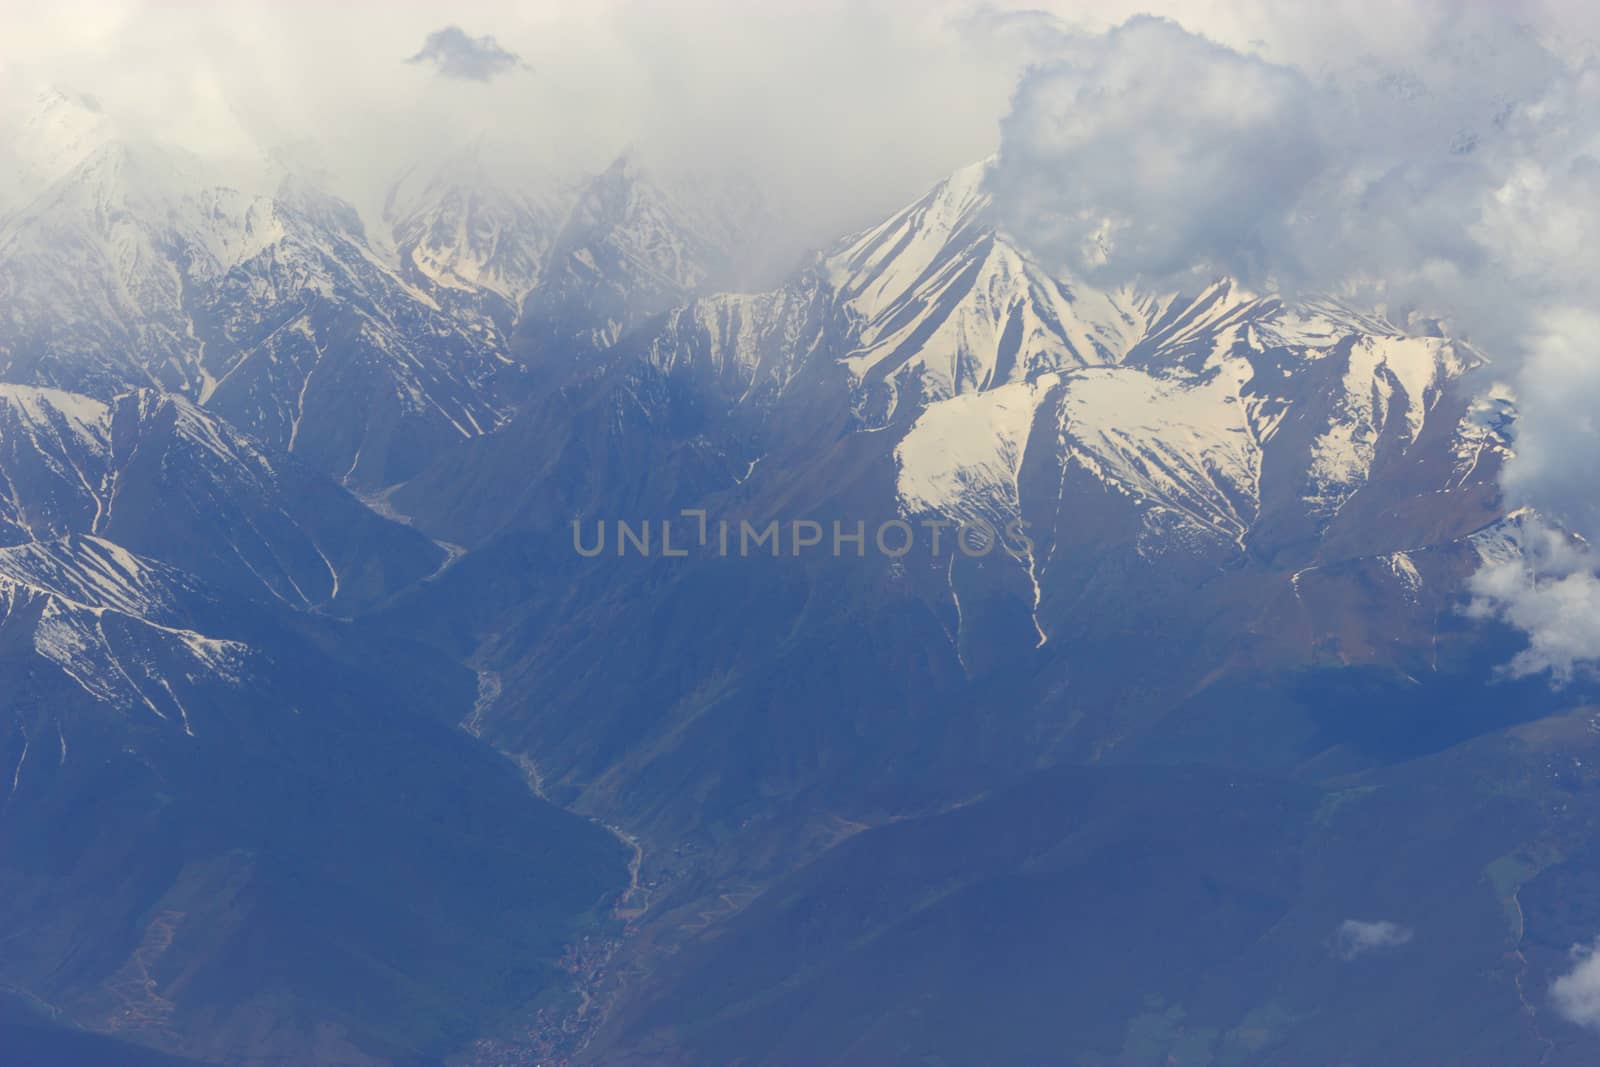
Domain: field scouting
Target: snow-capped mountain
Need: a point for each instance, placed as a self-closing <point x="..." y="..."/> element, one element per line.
<point x="1211" y="441"/>
<point x="315" y="326"/>
<point x="134" y="266"/>
<point x="940" y="303"/>
<point x="126" y="264"/>
<point x="1221" y="414"/>
<point x="1262" y="483"/>
<point x="87" y="272"/>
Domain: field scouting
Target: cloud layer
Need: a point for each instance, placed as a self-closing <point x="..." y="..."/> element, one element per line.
<point x="1153" y="152"/>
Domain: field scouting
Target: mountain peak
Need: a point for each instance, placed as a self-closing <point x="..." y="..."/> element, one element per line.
<point x="59" y="132"/>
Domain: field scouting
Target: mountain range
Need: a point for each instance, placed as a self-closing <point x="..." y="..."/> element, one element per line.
<point x="324" y="741"/>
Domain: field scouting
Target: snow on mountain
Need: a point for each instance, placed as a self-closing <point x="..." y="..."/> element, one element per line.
<point x="166" y="478"/>
<point x="315" y="326"/>
<point x="1181" y="448"/>
<point x="138" y="265"/>
<point x="1387" y="381"/>
<point x="131" y="264"/>
<point x="1485" y="431"/>
<point x="961" y="462"/>
<point x="168" y="763"/>
<point x="941" y="303"/>
<point x="97" y="575"/>
<point x="637" y="242"/>
<point x="115" y="623"/>
<point x="930" y="304"/>
<point x="1315" y="323"/>
<point x="1184" y="450"/>
<point x="1505" y="541"/>
<point x="1209" y="414"/>
<point x="962" y="457"/>
<point x="56" y="442"/>
<point x="1186" y="443"/>
<point x="112" y="514"/>
<point x="88" y="281"/>
<point x="56" y="133"/>
<point x="746" y="346"/>
<point x="1206" y="412"/>
<point x="1134" y="432"/>
<point x="98" y="260"/>
<point x="465" y="224"/>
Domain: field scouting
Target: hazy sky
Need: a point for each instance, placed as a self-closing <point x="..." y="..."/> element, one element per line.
<point x="852" y="106"/>
<point x="847" y="108"/>
<point x="1441" y="156"/>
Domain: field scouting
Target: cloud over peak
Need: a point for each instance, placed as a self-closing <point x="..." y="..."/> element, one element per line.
<point x="1447" y="168"/>
<point x="456" y="54"/>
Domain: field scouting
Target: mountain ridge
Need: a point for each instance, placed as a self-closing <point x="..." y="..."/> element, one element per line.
<point x="343" y="526"/>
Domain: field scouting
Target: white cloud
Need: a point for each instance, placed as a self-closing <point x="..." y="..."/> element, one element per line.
<point x="1198" y="157"/>
<point x="1577" y="993"/>
<point x="1357" y="937"/>
<point x="1152" y="151"/>
<point x="1558" y="391"/>
<point x="1552" y="594"/>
